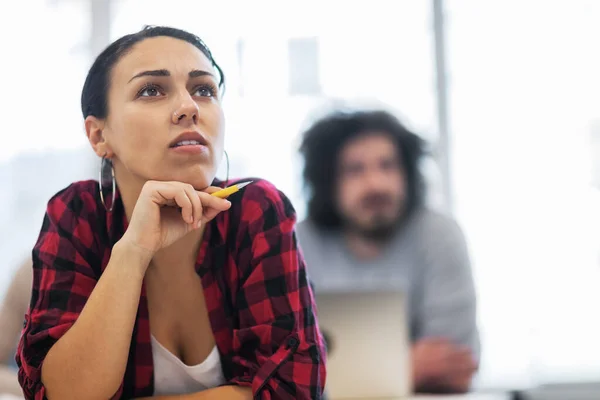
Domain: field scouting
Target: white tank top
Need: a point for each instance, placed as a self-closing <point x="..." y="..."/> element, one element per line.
<point x="172" y="376"/>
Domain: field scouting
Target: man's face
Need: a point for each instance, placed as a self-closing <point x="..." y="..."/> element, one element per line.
<point x="371" y="189"/>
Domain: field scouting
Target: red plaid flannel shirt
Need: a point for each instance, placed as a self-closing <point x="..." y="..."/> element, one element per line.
<point x="260" y="304"/>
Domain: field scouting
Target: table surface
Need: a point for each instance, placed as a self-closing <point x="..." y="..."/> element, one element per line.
<point x="469" y="396"/>
<point x="10" y="397"/>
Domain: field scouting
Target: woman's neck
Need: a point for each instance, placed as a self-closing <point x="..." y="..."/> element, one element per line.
<point x="129" y="189"/>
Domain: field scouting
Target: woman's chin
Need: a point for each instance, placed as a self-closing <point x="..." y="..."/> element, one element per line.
<point x="200" y="177"/>
<point x="199" y="181"/>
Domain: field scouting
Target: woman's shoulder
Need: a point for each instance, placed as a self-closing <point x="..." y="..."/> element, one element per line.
<point x="260" y="194"/>
<point x="79" y="199"/>
<point x="80" y="190"/>
<point x="73" y="234"/>
<point x="260" y="205"/>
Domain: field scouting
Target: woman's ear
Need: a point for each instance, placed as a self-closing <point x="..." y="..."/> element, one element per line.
<point x="94" y="128"/>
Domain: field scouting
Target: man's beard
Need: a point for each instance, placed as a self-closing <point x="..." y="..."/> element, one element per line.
<point x="381" y="229"/>
<point x="383" y="225"/>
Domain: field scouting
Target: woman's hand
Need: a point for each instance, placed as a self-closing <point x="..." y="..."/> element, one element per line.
<point x="166" y="211"/>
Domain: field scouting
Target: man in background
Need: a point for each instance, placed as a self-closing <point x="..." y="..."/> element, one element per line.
<point x="368" y="226"/>
<point x="12" y="313"/>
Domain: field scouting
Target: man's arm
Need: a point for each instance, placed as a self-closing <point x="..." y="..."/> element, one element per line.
<point x="448" y="305"/>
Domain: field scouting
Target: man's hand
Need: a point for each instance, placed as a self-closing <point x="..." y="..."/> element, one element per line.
<point x="441" y="366"/>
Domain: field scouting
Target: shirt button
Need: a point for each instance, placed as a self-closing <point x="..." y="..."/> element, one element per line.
<point x="292" y="342"/>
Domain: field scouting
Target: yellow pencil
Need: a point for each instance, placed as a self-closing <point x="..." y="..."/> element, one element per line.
<point x="228" y="191"/>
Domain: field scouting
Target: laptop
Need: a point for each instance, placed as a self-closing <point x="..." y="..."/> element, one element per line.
<point x="368" y="344"/>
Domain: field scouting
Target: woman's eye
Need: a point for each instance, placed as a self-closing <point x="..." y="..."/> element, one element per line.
<point x="205" y="91"/>
<point x="150" y="91"/>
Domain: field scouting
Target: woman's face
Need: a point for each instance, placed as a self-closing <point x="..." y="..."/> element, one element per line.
<point x="165" y="120"/>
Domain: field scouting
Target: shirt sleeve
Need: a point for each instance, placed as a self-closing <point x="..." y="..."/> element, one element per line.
<point x="448" y="307"/>
<point x="279" y="350"/>
<point x="62" y="282"/>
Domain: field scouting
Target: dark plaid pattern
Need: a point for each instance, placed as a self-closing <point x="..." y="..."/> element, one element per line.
<point x="260" y="304"/>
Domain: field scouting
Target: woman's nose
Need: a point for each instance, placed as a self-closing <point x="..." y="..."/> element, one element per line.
<point x="187" y="111"/>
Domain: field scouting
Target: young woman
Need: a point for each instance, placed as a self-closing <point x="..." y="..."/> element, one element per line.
<point x="146" y="285"/>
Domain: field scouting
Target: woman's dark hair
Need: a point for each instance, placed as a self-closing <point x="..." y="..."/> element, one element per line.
<point x="322" y="144"/>
<point x="94" y="96"/>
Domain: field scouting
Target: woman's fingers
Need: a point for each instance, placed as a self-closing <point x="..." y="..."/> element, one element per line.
<point x="197" y="208"/>
<point x="212" y="205"/>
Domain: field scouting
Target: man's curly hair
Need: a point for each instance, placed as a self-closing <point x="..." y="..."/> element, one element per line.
<point x="322" y="144"/>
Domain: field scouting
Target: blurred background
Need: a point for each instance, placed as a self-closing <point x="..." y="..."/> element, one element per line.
<point x="505" y="91"/>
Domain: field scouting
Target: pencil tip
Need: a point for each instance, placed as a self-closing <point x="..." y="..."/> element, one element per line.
<point x="243" y="184"/>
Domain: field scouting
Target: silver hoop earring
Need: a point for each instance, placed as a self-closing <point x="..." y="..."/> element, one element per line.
<point x="227" y="164"/>
<point x="101" y="183"/>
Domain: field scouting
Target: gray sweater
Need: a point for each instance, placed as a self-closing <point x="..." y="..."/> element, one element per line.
<point x="427" y="259"/>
